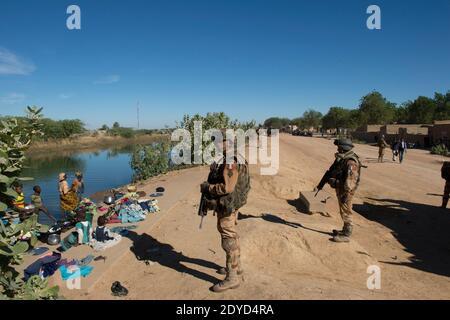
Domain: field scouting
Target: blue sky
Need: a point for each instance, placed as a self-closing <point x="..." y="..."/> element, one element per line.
<point x="250" y="58"/>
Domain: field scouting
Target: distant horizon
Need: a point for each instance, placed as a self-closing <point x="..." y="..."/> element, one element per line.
<point x="249" y="59"/>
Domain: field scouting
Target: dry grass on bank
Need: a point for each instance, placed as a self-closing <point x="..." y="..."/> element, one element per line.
<point x="88" y="142"/>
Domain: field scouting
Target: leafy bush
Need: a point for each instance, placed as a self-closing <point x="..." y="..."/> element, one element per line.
<point x="149" y="161"/>
<point x="214" y="120"/>
<point x="62" y="129"/>
<point x="15" y="138"/>
<point x="440" y="150"/>
<point x="122" y="132"/>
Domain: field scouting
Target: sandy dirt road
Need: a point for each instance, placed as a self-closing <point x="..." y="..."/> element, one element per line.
<point x="288" y="254"/>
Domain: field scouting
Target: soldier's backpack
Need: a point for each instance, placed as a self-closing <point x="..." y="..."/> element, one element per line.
<point x="242" y="186"/>
<point x="445" y="170"/>
<point x="238" y="198"/>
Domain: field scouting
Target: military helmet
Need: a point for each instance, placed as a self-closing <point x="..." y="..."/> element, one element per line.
<point x="346" y="144"/>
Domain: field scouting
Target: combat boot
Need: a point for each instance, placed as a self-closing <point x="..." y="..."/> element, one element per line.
<point x="338" y="232"/>
<point x="231" y="282"/>
<point x="345" y="235"/>
<point x="223" y="271"/>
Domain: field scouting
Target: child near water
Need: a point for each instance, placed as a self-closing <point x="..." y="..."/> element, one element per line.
<point x="36" y="200"/>
<point x="19" y="201"/>
<point x="103" y="237"/>
<point x="102" y="233"/>
<point x="78" y="185"/>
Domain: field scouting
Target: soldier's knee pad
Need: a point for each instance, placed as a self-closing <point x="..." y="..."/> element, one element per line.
<point x="229" y="244"/>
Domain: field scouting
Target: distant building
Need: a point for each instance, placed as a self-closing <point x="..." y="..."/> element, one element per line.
<point x="440" y="132"/>
<point x="369" y="133"/>
<point x="412" y="133"/>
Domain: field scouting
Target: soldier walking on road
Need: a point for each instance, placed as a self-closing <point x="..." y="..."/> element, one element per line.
<point x="382" y="145"/>
<point x="228" y="186"/>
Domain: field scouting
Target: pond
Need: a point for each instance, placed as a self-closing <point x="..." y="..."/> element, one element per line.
<point x="102" y="169"/>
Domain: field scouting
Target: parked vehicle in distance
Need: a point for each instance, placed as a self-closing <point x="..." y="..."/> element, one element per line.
<point x="302" y="133"/>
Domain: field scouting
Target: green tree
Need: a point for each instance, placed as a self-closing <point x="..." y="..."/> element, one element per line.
<point x="376" y="109"/>
<point x="336" y="118"/>
<point x="276" y="123"/>
<point x="442" y="102"/>
<point x="421" y="110"/>
<point x="312" y="118"/>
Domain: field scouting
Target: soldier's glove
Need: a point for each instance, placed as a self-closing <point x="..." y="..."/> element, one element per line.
<point x="204" y="187"/>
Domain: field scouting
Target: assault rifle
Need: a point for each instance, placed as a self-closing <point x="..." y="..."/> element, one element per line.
<point x="202" y="209"/>
<point x="326" y="177"/>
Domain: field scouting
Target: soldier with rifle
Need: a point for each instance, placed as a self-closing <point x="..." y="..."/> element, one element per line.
<point x="344" y="176"/>
<point x="225" y="193"/>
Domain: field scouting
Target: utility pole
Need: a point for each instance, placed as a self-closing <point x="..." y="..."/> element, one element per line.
<point x="138" y="115"/>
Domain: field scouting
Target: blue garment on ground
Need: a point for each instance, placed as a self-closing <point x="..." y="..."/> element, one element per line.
<point x="131" y="213"/>
<point x="39" y="251"/>
<point x="82" y="271"/>
<point x="46" y="266"/>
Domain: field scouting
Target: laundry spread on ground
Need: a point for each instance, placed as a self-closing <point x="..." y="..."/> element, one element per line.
<point x="131" y="207"/>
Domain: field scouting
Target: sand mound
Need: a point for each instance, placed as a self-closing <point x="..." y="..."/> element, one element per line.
<point x="289" y="249"/>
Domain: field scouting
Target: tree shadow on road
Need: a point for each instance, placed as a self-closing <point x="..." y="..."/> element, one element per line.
<point x="423" y="230"/>
<point x="275" y="219"/>
<point x="146" y="248"/>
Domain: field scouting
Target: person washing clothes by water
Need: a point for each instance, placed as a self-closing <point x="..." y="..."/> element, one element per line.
<point x="36" y="200"/>
<point x="68" y="197"/>
<point x="78" y="185"/>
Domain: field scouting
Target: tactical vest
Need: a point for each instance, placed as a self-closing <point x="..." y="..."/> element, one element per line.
<point x="340" y="172"/>
<point x="236" y="199"/>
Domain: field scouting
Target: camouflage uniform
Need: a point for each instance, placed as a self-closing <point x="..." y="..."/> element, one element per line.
<point x="382" y="145"/>
<point x="226" y="224"/>
<point x="345" y="191"/>
<point x="345" y="177"/>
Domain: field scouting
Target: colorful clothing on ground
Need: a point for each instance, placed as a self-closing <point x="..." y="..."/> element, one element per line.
<point x="84" y="230"/>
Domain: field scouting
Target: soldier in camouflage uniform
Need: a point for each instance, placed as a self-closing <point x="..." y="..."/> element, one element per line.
<point x="223" y="185"/>
<point x="382" y="145"/>
<point x="345" y="179"/>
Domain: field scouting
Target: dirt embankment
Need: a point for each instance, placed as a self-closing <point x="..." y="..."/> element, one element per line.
<point x="91" y="142"/>
<point x="288" y="254"/>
